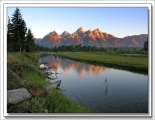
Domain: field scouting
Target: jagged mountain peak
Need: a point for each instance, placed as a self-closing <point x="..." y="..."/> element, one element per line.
<point x="97" y="29"/>
<point x="97" y="33"/>
<point x="54" y="33"/>
<point x="80" y="29"/>
<point x="65" y="33"/>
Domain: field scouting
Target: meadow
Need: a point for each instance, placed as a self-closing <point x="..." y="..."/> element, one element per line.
<point x="131" y="63"/>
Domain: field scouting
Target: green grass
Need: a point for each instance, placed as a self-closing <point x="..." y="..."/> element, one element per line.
<point x="59" y="103"/>
<point x="54" y="102"/>
<point x="28" y="69"/>
<point x="23" y="59"/>
<point x="16" y="64"/>
<point x="34" y="77"/>
<point x="137" y="64"/>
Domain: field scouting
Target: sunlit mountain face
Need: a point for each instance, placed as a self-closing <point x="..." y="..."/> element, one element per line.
<point x="66" y="65"/>
<point x="90" y="38"/>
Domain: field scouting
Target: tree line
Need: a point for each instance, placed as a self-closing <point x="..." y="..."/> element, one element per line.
<point x="79" y="47"/>
<point x="111" y="50"/>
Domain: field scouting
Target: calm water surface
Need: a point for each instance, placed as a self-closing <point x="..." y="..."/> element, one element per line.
<point x="100" y="88"/>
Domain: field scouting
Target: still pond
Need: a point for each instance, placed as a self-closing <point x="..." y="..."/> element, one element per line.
<point x="100" y="88"/>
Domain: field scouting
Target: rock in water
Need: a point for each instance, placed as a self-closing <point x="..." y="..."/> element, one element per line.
<point x="17" y="95"/>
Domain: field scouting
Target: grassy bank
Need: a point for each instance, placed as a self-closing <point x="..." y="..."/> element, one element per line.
<point x="20" y="67"/>
<point x="23" y="71"/>
<point x="131" y="63"/>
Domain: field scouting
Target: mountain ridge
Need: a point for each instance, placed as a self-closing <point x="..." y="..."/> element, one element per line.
<point x="90" y="38"/>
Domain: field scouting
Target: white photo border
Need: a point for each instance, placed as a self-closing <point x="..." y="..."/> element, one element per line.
<point x="5" y="4"/>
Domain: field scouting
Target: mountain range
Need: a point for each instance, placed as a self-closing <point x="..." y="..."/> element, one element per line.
<point x="90" y="38"/>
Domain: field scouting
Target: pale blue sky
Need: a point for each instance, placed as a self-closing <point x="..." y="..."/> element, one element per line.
<point x="119" y="22"/>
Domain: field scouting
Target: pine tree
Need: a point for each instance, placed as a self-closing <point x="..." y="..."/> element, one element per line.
<point x="9" y="36"/>
<point x="30" y="45"/>
<point x="18" y="31"/>
<point x="146" y="45"/>
<point x="22" y="35"/>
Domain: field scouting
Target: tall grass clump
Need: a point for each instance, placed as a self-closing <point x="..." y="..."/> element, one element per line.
<point x="59" y="103"/>
<point x="34" y="77"/>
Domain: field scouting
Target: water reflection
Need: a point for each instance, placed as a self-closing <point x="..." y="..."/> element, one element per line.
<point x="66" y="65"/>
<point x="100" y="88"/>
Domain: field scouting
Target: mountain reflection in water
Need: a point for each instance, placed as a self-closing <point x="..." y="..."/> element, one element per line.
<point x="67" y="64"/>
